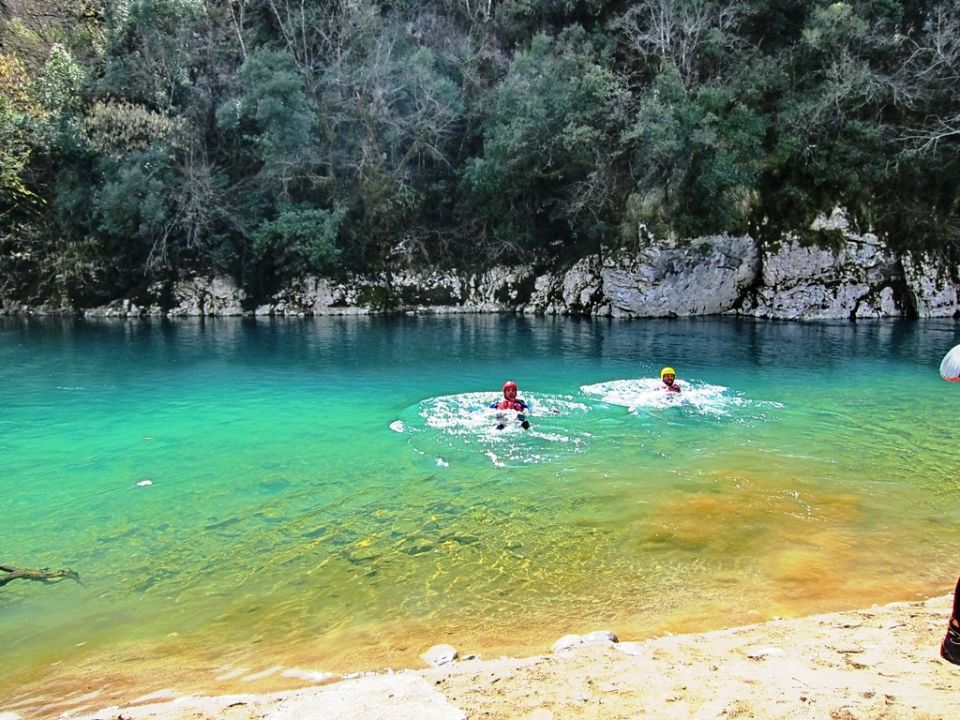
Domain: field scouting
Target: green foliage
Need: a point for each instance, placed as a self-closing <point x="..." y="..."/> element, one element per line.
<point x="117" y="128"/>
<point x="145" y="136"/>
<point x="695" y="39"/>
<point x="697" y="158"/>
<point x="30" y="28"/>
<point x="518" y="20"/>
<point x="149" y="58"/>
<point x="272" y="110"/>
<point x="773" y="25"/>
<point x="33" y="112"/>
<point x="300" y="241"/>
<point x="37" y="114"/>
<point x="19" y="112"/>
<point x="134" y="200"/>
<point x="60" y="84"/>
<point x="834" y="27"/>
<point x="858" y="80"/>
<point x="39" y="268"/>
<point x="391" y="121"/>
<point x="549" y="126"/>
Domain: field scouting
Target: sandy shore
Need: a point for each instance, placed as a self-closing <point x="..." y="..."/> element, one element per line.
<point x="881" y="662"/>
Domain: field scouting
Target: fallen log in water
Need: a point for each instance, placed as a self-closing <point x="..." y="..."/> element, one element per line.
<point x="44" y="575"/>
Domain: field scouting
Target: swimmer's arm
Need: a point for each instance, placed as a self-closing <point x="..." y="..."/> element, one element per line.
<point x="529" y="406"/>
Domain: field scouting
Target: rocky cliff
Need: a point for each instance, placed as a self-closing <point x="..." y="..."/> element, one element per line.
<point x="858" y="276"/>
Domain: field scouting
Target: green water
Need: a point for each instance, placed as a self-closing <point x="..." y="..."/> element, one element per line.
<point x="245" y="497"/>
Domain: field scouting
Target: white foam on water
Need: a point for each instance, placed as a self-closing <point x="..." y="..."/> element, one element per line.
<point x="263" y="674"/>
<point x="467" y="418"/>
<point x="471" y="412"/>
<point x="493" y="457"/>
<point x="648" y="393"/>
<point x="311" y="675"/>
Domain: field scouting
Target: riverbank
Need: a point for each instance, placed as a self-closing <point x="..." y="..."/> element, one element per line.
<point x="854" y="276"/>
<point x="870" y="664"/>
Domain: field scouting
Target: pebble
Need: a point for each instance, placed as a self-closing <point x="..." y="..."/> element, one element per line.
<point x="439" y="655"/>
<point x="597" y="637"/>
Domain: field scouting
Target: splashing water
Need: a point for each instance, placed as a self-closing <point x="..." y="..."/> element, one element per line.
<point x="465" y="424"/>
<point x="638" y="395"/>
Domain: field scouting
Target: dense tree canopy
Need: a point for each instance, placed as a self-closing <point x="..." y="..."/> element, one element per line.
<point x="275" y="138"/>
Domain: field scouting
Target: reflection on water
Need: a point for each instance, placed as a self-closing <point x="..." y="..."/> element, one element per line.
<point x="242" y="497"/>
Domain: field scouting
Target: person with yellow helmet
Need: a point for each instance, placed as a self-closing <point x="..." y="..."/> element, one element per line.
<point x="669" y="376"/>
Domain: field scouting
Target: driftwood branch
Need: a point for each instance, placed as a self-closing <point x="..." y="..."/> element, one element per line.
<point x="44" y="575"/>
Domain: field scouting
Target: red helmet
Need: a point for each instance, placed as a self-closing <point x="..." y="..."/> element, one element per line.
<point x="509" y="384"/>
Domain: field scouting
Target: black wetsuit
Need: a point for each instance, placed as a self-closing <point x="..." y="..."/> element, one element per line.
<point x="950" y="647"/>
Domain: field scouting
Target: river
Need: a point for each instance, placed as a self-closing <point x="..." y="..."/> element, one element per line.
<point x="249" y="502"/>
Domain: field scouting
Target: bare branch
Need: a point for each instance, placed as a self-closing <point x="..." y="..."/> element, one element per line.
<point x="928" y="139"/>
<point x="237" y="8"/>
<point x="44" y="575"/>
<point x="676" y="32"/>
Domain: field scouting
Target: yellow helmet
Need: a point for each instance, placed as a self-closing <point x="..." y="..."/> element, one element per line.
<point x="668" y="371"/>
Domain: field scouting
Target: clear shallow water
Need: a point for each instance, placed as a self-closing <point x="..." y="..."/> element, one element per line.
<point x="242" y="498"/>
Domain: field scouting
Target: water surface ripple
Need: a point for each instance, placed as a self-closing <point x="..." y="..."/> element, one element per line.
<point x="246" y="497"/>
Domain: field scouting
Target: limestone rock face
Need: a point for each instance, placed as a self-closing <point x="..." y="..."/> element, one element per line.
<point x="310" y="296"/>
<point x="581" y="290"/>
<point x="542" y="296"/>
<point x="811" y="283"/>
<point x="932" y="284"/>
<point x="855" y="276"/>
<point x="578" y="291"/>
<point x="499" y="289"/>
<point x="707" y="276"/>
<point x="201" y="296"/>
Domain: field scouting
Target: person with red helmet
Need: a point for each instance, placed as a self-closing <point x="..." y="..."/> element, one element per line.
<point x="510" y="401"/>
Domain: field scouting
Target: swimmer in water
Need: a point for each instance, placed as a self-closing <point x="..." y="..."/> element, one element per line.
<point x="510" y="401"/>
<point x="669" y="377"/>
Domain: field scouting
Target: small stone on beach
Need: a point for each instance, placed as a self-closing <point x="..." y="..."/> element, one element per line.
<point x="439" y="655"/>
<point x="597" y="637"/>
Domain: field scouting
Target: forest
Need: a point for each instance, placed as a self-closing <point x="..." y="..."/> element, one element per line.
<point x="272" y="139"/>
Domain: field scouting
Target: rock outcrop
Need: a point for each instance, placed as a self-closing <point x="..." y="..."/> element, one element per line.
<point x="859" y="279"/>
<point x="708" y="276"/>
<point x="856" y="276"/>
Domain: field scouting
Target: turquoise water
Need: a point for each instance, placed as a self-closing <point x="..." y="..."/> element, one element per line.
<point x="242" y="498"/>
